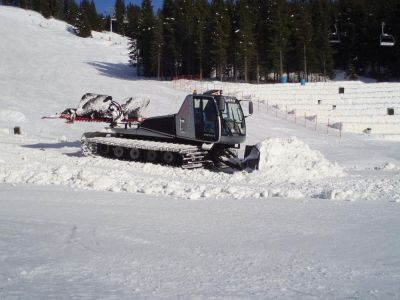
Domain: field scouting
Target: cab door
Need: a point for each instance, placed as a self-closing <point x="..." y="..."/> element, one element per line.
<point x="206" y="119"/>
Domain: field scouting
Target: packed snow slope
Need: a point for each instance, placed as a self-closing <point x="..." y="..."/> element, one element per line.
<point x="63" y="244"/>
<point x="46" y="68"/>
<point x="80" y="227"/>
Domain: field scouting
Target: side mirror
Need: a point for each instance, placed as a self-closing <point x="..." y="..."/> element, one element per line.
<point x="251" y="108"/>
<point x="221" y="104"/>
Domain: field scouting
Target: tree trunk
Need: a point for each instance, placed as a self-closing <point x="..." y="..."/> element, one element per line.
<point x="245" y="68"/>
<point x="201" y="69"/>
<point x="305" y="62"/>
<point x="158" y="64"/>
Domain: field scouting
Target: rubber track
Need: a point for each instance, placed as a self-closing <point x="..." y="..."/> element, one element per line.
<point x="192" y="156"/>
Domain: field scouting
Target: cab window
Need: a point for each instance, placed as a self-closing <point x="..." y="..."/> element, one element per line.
<point x="206" y="119"/>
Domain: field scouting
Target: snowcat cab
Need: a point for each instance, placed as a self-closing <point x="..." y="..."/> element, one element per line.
<point x="211" y="118"/>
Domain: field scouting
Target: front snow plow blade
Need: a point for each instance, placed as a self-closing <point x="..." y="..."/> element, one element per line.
<point x="249" y="163"/>
<point x="251" y="158"/>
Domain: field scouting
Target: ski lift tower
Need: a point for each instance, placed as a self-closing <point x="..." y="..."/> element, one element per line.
<point x="112" y="17"/>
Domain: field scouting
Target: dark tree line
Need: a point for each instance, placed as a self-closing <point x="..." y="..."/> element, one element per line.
<point x="251" y="39"/>
<point x="238" y="40"/>
<point x="248" y="40"/>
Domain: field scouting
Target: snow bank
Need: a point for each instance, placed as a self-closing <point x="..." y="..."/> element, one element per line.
<point x="288" y="168"/>
<point x="12" y="116"/>
<point x="4" y="131"/>
<point x="291" y="159"/>
<point x="387" y="166"/>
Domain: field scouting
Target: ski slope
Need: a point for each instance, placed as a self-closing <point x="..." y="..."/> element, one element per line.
<point x="319" y="220"/>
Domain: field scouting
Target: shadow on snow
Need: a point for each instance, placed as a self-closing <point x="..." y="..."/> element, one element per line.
<point x="120" y="71"/>
<point x="59" y="145"/>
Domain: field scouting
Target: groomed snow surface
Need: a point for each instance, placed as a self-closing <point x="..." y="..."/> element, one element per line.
<point x="319" y="220"/>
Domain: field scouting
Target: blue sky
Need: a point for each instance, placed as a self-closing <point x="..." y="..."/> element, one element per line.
<point x="103" y="6"/>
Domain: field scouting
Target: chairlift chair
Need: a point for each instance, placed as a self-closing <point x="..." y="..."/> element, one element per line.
<point x="386" y="40"/>
<point x="126" y="20"/>
<point x="334" y="37"/>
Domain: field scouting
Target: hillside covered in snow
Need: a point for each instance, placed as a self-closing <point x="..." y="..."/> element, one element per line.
<point x="318" y="220"/>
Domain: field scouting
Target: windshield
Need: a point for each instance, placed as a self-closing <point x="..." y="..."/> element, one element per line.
<point x="232" y="118"/>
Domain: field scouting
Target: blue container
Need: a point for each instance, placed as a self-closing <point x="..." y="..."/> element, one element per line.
<point x="303" y="82"/>
<point x="284" y="79"/>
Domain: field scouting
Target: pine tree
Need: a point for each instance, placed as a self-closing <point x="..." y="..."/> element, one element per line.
<point x="156" y="47"/>
<point x="120" y="14"/>
<point x="169" y="51"/>
<point x="94" y="18"/>
<point x="301" y="54"/>
<point x="199" y="40"/>
<point x="258" y="15"/>
<point x="277" y="35"/>
<point x="247" y="44"/>
<point x="395" y="29"/>
<point x="57" y="8"/>
<point x="133" y="32"/>
<point x="184" y="35"/>
<point x="232" y="61"/>
<point x="22" y="3"/>
<point x="319" y="9"/>
<point x="82" y="24"/>
<point x="35" y="5"/>
<point x="70" y="11"/>
<point x="262" y="39"/>
<point x="45" y="8"/>
<point x="219" y="38"/>
<point x="145" y="41"/>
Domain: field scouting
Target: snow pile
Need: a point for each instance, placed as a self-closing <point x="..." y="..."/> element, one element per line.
<point x="290" y="159"/>
<point x="24" y="161"/>
<point x="387" y="166"/>
<point x="12" y="116"/>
